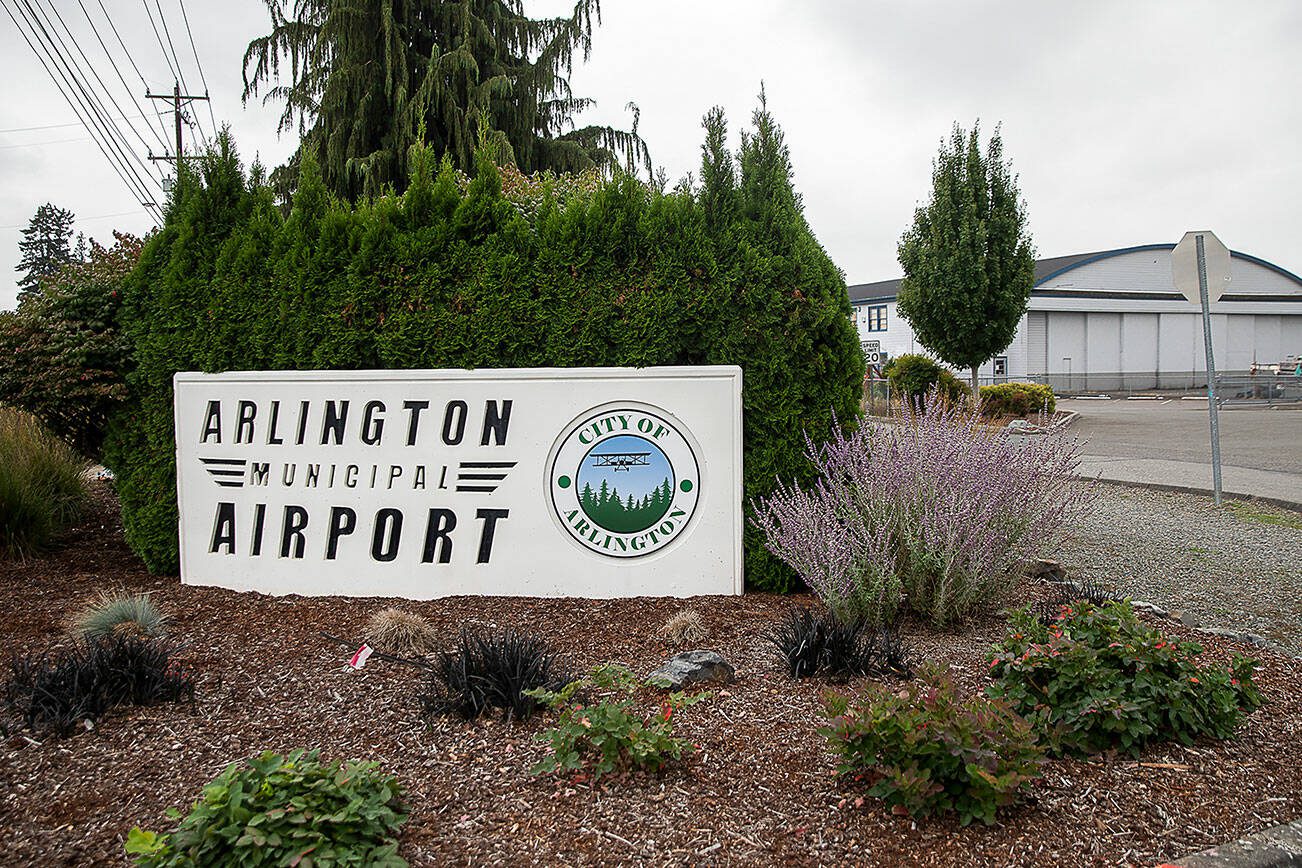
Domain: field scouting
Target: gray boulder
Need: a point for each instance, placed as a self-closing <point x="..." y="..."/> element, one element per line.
<point x="692" y="668"/>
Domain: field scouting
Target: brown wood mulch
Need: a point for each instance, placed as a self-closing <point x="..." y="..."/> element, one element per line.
<point x="762" y="790"/>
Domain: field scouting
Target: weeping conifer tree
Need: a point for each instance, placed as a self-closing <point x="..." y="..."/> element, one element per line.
<point x="363" y="82"/>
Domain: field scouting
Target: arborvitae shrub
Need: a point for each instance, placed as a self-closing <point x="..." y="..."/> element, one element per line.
<point x="610" y="273"/>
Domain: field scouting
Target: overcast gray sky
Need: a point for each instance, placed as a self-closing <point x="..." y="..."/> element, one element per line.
<point x="1128" y="122"/>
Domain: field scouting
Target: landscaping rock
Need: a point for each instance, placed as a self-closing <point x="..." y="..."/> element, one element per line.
<point x="1049" y="571"/>
<point x="692" y="668"/>
<point x="1152" y="609"/>
<point x="1189" y="619"/>
<point x="1273" y="848"/>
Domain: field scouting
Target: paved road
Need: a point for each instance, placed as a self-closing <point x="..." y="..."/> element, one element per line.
<point x="1167" y="443"/>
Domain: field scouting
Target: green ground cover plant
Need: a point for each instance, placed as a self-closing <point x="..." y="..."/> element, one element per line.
<point x="616" y="273"/>
<point x="1097" y="678"/>
<point x="606" y="733"/>
<point x="283" y="810"/>
<point x="928" y="751"/>
<point x="42" y="489"/>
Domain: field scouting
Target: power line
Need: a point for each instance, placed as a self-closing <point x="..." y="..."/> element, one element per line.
<point x="64" y="89"/>
<point x="118" y="71"/>
<point x="202" y="78"/>
<point x="61" y="90"/>
<point x="54" y="126"/>
<point x="76" y="44"/>
<point x="43" y="144"/>
<point x="180" y="72"/>
<point x="77" y="220"/>
<point x="106" y="124"/>
<point x="159" y="37"/>
<point x="139" y="74"/>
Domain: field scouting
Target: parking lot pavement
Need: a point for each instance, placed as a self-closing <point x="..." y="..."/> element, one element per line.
<point x="1167" y="443"/>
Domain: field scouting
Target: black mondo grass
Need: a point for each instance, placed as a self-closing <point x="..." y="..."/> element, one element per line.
<point x="64" y="690"/>
<point x="811" y="643"/>
<point x="1067" y="593"/>
<point x="492" y="671"/>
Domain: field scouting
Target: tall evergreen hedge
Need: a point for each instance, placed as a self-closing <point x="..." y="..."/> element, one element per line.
<point x="457" y="275"/>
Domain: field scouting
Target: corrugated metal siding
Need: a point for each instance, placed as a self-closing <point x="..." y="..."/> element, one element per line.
<point x="1037" y="346"/>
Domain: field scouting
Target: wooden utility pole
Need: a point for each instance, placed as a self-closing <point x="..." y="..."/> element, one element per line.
<point x="177" y="98"/>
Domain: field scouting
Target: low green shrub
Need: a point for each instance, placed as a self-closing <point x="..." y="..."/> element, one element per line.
<point x="930" y="752"/>
<point x="283" y="810"/>
<point x="1097" y="678"/>
<point x="119" y="614"/>
<point x="42" y="488"/>
<point x="913" y="375"/>
<point x="609" y="735"/>
<point x="1016" y="399"/>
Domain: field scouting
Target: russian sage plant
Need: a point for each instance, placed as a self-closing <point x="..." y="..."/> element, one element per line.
<point x="930" y="508"/>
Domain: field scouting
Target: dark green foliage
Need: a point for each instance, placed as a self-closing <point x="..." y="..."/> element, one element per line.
<point x="65" y="356"/>
<point x="611" y="511"/>
<point x="931" y="752"/>
<point x="1016" y="399"/>
<point x="42" y="485"/>
<point x="820" y="643"/>
<point x="913" y="375"/>
<point x="968" y="261"/>
<point x="45" y="248"/>
<point x="492" y="670"/>
<point x="283" y="810"/>
<point x="618" y="275"/>
<point x="1096" y="679"/>
<point x="62" y="690"/>
<point x="367" y="82"/>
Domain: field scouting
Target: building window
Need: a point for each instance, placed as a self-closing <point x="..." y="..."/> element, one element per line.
<point x="876" y="318"/>
<point x="1001" y="366"/>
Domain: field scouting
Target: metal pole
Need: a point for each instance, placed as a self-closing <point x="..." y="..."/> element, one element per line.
<point x="1211" y="371"/>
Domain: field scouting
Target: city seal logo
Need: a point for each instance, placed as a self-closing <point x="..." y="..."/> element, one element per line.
<point x="624" y="480"/>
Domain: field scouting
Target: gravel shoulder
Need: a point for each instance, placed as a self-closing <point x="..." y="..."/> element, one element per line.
<point x="1230" y="568"/>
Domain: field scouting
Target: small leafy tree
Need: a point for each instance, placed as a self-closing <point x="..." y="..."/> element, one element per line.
<point x="65" y="355"/>
<point x="45" y="247"/>
<point x="968" y="259"/>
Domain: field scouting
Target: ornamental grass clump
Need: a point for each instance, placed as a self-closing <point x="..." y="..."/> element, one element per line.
<point x="492" y="671"/>
<point x="819" y="643"/>
<point x="398" y="631"/>
<point x="42" y="489"/>
<point x="931" y="510"/>
<point x="1097" y="678"/>
<point x="68" y="690"/>
<point x="119" y="614"/>
<point x="284" y="810"/>
<point x="928" y="751"/>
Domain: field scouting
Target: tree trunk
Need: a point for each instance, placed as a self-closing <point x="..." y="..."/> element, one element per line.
<point x="976" y="390"/>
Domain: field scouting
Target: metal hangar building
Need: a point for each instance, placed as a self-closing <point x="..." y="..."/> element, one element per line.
<point x="1114" y="320"/>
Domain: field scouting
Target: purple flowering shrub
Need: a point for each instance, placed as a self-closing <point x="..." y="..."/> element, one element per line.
<point x="930" y="509"/>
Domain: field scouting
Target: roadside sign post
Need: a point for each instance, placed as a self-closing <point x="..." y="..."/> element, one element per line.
<point x="1200" y="268"/>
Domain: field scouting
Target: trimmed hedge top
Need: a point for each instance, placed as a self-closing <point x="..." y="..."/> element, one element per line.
<point x="603" y="274"/>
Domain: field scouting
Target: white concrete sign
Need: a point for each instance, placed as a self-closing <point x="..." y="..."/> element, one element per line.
<point x="586" y="482"/>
